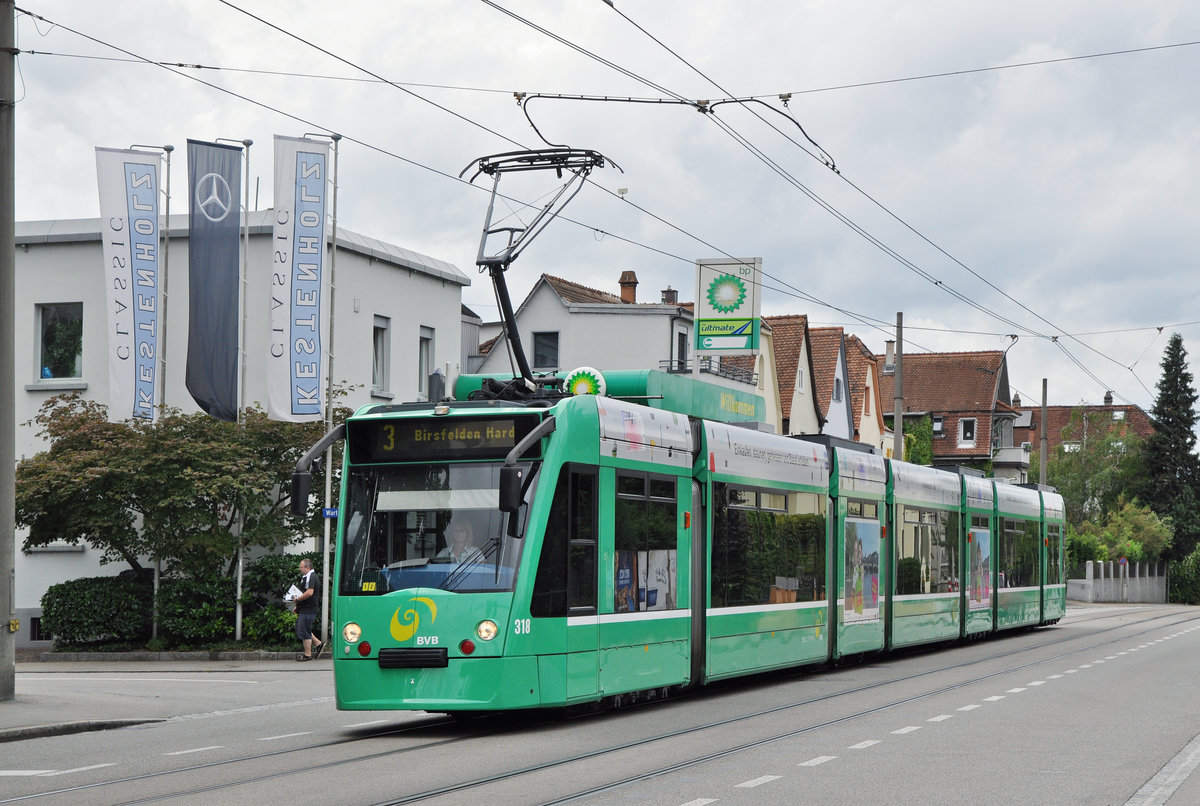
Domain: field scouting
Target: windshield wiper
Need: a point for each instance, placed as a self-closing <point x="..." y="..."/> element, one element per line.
<point x="478" y="557"/>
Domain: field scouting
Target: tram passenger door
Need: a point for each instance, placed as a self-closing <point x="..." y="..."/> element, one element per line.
<point x="644" y="642"/>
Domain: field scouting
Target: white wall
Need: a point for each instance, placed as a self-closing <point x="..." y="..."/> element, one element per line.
<point x="367" y="284"/>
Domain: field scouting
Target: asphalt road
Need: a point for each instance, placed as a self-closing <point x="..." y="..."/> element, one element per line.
<point x="1096" y="710"/>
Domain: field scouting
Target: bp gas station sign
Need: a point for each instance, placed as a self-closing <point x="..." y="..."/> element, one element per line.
<point x="727" y="306"/>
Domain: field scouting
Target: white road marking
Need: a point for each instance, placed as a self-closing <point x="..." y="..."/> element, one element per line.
<point x="994" y="698"/>
<point x="970" y="707"/>
<point x="863" y="745"/>
<point x="909" y="729"/>
<point x="1036" y="683"/>
<point x="77" y="769"/>
<point x="1070" y="671"/>
<point x="1015" y="690"/>
<point x="765" y="779"/>
<point x="812" y="762"/>
<point x="20" y="773"/>
<point x="940" y="718"/>
<point x="283" y="736"/>
<point x="700" y="802"/>
<point x="1053" y="676"/>
<point x="195" y="750"/>
<point x="364" y="724"/>
<point x="50" y="677"/>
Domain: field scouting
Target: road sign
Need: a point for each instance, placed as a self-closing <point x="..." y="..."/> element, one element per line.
<point x="330" y="512"/>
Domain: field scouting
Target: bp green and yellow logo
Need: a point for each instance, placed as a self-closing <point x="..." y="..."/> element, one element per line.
<point x="412" y="620"/>
<point x="726" y="293"/>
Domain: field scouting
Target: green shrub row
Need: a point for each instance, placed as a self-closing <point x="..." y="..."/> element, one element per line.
<point x="192" y="611"/>
<point x="1183" y="579"/>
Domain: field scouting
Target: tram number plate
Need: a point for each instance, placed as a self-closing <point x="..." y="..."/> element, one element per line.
<point x="522" y="626"/>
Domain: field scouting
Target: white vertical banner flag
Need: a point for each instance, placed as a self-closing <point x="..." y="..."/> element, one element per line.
<point x="296" y="366"/>
<point x="128" y="182"/>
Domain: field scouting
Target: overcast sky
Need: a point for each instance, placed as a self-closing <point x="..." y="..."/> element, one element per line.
<point x="1039" y="160"/>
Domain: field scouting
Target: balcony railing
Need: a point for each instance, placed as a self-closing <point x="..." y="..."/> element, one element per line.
<point x="711" y="366"/>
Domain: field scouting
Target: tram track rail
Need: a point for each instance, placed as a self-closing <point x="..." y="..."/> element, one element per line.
<point x="492" y="726"/>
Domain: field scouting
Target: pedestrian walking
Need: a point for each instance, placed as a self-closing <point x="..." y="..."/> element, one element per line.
<point x="308" y="605"/>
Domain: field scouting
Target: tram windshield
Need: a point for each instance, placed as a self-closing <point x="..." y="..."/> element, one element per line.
<point x="426" y="526"/>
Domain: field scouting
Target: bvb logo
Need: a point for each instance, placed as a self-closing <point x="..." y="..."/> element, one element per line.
<point x="405" y="631"/>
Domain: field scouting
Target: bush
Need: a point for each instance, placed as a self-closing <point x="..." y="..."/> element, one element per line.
<point x="1183" y="579"/>
<point x="196" y="611"/>
<point x="273" y="626"/>
<point x="97" y="610"/>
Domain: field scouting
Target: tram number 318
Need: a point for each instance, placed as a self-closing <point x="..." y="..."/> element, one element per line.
<point x="522" y="626"/>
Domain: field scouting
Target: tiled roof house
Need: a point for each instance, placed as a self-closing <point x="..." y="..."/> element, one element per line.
<point x="967" y="397"/>
<point x="865" y="402"/>
<point x="1059" y="430"/>
<point x="799" y="413"/>
<point x="828" y="349"/>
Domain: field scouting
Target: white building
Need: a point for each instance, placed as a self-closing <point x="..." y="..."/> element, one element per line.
<point x="397" y="318"/>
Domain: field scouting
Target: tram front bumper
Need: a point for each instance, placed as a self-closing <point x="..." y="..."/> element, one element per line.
<point x="465" y="684"/>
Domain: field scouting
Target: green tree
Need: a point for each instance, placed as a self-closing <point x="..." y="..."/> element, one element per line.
<point x="1170" y="469"/>
<point x="1130" y="530"/>
<point x="1095" y="464"/>
<point x="177" y="489"/>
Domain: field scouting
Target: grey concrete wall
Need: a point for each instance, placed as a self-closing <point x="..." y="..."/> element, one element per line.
<point x="1112" y="582"/>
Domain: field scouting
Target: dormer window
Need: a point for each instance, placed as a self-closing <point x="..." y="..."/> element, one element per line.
<point x="966" y="432"/>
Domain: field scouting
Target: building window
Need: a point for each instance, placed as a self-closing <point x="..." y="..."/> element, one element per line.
<point x="424" y="362"/>
<point x="837" y="390"/>
<point x="381" y="341"/>
<point x="1070" y="447"/>
<point x="938" y="425"/>
<point x="1118" y="415"/>
<point x="545" y="350"/>
<point x="966" y="431"/>
<point x="681" y="353"/>
<point x="867" y="400"/>
<point x="60" y="337"/>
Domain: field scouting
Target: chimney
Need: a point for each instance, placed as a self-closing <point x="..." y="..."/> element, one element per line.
<point x="629" y="283"/>
<point x="1108" y="398"/>
<point x="889" y="358"/>
<point x="1016" y="401"/>
<point x="670" y="296"/>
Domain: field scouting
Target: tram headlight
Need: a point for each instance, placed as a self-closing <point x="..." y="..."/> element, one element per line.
<point x="351" y="632"/>
<point x="486" y="630"/>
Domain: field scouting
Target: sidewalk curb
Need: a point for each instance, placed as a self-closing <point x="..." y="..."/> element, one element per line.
<point x="65" y="728"/>
<point x="106" y="657"/>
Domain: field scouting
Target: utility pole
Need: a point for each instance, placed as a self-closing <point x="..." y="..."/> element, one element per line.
<point x="8" y="402"/>
<point x="898" y="400"/>
<point x="1042" y="445"/>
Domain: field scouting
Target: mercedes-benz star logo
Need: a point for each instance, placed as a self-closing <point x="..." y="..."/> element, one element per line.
<point x="213" y="197"/>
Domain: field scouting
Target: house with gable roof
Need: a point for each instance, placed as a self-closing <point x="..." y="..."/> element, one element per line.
<point x="830" y="385"/>
<point x="966" y="396"/>
<point x="865" y="401"/>
<point x="564" y="325"/>
<point x="1063" y="428"/>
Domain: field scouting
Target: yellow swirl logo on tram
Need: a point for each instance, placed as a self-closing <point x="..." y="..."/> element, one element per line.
<point x="412" y="620"/>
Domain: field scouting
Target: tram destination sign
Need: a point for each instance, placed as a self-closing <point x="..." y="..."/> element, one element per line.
<point x="437" y="438"/>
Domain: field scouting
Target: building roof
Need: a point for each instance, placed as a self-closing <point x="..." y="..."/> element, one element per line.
<point x="948" y="382"/>
<point x="859" y="363"/>
<point x="787" y="337"/>
<point x="260" y="223"/>
<point x="825" y="344"/>
<point x="574" y="292"/>
<point x="1058" y="418"/>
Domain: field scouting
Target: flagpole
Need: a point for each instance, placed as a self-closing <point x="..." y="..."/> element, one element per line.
<point x="165" y="237"/>
<point x="241" y="405"/>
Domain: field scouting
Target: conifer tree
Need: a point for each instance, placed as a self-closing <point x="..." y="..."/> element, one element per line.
<point x="1171" y="469"/>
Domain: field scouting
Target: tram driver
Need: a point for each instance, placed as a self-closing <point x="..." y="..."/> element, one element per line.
<point x="460" y="544"/>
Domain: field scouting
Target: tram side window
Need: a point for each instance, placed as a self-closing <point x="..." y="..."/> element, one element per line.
<point x="926" y="550"/>
<point x="1054" y="570"/>
<point x="645" y="535"/>
<point x="768" y="547"/>
<point x="1017" y="563"/>
<point x="566" y="575"/>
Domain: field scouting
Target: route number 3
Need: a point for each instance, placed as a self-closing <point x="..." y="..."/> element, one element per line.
<point x="522" y="626"/>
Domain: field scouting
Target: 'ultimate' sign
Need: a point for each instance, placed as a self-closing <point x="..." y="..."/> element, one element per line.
<point x="296" y="366"/>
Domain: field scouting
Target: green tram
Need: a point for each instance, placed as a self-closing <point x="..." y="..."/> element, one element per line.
<point x="495" y="554"/>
